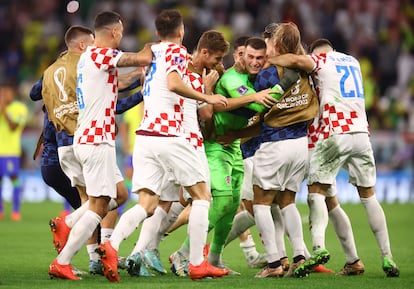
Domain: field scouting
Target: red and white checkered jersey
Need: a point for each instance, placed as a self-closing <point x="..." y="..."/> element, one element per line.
<point x="338" y="83"/>
<point x="190" y="123"/>
<point x="163" y="109"/>
<point x="313" y="133"/>
<point x="97" y="91"/>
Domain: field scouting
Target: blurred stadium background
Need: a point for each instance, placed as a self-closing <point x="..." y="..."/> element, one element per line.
<point x="380" y="33"/>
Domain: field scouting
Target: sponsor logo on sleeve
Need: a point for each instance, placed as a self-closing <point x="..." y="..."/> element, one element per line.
<point x="242" y="90"/>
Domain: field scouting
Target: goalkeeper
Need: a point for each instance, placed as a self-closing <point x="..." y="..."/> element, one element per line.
<point x="225" y="161"/>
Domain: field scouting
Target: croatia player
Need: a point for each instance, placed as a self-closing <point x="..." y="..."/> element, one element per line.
<point x="57" y="88"/>
<point x="211" y="49"/>
<point x="161" y="149"/>
<point x="343" y="142"/>
<point x="94" y="139"/>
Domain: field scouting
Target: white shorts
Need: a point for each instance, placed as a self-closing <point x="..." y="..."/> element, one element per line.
<point x="160" y="159"/>
<point x="332" y="191"/>
<point x="100" y="169"/>
<point x="246" y="192"/>
<point x="71" y="166"/>
<point x="353" y="152"/>
<point x="204" y="162"/>
<point x="281" y="165"/>
<point x="170" y="191"/>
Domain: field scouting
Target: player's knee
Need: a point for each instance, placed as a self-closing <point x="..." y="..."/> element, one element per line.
<point x="121" y="193"/>
<point x="331" y="203"/>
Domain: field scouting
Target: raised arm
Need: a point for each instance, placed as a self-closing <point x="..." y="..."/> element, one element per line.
<point x="290" y="60"/>
<point x="235" y="87"/>
<point x="177" y="85"/>
<point x="257" y="101"/>
<point x="141" y="58"/>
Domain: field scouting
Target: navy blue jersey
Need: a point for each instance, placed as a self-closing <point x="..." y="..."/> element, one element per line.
<point x="249" y="147"/>
<point x="268" y="78"/>
<point x="49" y="154"/>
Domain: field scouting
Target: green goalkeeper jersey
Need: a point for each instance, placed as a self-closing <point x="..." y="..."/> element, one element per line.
<point x="233" y="84"/>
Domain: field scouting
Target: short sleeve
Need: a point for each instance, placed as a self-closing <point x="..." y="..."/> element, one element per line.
<point x="176" y="59"/>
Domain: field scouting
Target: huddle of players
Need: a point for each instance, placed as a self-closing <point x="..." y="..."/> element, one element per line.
<point x="169" y="142"/>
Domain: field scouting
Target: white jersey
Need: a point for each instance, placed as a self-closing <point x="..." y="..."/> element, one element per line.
<point x="190" y="122"/>
<point x="338" y="83"/>
<point x="97" y="91"/>
<point x="163" y="109"/>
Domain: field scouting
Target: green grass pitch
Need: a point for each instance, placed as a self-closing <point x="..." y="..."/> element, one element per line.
<point x="26" y="252"/>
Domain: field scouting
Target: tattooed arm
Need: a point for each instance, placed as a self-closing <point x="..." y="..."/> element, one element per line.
<point x="127" y="79"/>
<point x="141" y="58"/>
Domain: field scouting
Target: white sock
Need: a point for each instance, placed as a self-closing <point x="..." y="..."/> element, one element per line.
<point x="150" y="227"/>
<point x="171" y="217"/>
<point x="78" y="236"/>
<point x="197" y="230"/>
<point x="106" y="233"/>
<point x="281" y="232"/>
<point x="263" y="218"/>
<point x="249" y="248"/>
<point x="378" y="224"/>
<point x="343" y="230"/>
<point x="279" y="229"/>
<point x="74" y="217"/>
<point x="293" y="226"/>
<point x="241" y="222"/>
<point x="91" y="252"/>
<point x="127" y="224"/>
<point x="318" y="220"/>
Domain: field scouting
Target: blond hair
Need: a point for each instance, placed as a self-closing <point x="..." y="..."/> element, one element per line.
<point x="286" y="38"/>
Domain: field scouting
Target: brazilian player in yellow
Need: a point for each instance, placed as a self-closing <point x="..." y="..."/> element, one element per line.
<point x="13" y="116"/>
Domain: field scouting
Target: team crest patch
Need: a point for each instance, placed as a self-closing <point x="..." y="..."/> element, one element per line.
<point x="115" y="52"/>
<point x="242" y="90"/>
<point x="178" y="60"/>
<point x="228" y="180"/>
